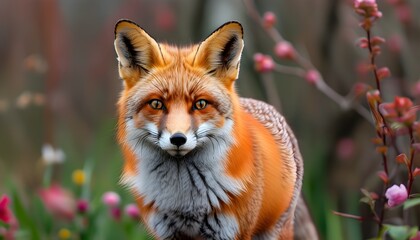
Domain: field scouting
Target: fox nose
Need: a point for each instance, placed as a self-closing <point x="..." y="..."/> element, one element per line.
<point x="178" y="139"/>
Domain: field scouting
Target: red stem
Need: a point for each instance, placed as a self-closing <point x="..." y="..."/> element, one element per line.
<point x="351" y="216"/>
<point x="380" y="134"/>
<point x="410" y="162"/>
<point x="372" y="61"/>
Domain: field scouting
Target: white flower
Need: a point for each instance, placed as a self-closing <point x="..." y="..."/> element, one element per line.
<point x="51" y="155"/>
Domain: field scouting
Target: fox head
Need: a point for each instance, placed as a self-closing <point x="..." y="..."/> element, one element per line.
<point x="177" y="100"/>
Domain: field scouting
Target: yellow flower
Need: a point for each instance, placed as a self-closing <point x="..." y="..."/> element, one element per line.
<point x="64" y="233"/>
<point x="79" y="177"/>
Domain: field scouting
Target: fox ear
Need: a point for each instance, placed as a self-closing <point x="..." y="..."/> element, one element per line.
<point x="221" y="52"/>
<point x="137" y="51"/>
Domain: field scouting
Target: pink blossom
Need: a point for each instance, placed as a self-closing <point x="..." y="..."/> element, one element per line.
<point x="312" y="76"/>
<point x="111" y="199"/>
<point x="263" y="63"/>
<point x="269" y="19"/>
<point x="284" y="50"/>
<point x="58" y="201"/>
<point x="396" y="195"/>
<point x="132" y="211"/>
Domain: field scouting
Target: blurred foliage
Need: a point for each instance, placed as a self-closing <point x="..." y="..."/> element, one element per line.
<point x="59" y="85"/>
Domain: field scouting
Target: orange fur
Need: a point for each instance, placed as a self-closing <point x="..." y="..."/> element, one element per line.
<point x="179" y="77"/>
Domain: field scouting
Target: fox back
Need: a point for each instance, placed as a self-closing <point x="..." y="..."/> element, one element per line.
<point x="202" y="162"/>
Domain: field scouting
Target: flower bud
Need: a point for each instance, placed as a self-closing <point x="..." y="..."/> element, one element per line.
<point x="363" y="43"/>
<point x="383" y="73"/>
<point x="416" y="172"/>
<point x="312" y="76"/>
<point x="382" y="149"/>
<point x="263" y="63"/>
<point x="382" y="175"/>
<point x="269" y="19"/>
<point x="284" y="50"/>
<point x="402" y="159"/>
<point x="377" y="40"/>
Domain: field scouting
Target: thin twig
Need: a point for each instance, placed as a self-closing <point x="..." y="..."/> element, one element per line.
<point x="305" y="65"/>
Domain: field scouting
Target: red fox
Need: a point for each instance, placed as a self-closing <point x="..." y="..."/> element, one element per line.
<point x="202" y="162"/>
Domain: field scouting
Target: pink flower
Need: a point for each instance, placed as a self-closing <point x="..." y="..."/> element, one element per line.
<point x="132" y="211"/>
<point x="284" y="50"/>
<point x="58" y="201"/>
<point x="269" y="19"/>
<point x="396" y="195"/>
<point x="111" y="199"/>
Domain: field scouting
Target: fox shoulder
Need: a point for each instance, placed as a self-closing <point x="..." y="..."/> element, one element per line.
<point x="267" y="115"/>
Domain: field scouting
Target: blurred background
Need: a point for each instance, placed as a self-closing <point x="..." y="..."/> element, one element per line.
<point x="59" y="85"/>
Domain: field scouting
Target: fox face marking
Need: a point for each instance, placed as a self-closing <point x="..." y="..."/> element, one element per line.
<point x="177" y="115"/>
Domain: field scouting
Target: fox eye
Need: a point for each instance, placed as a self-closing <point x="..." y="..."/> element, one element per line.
<point x="156" y="104"/>
<point x="200" y="104"/>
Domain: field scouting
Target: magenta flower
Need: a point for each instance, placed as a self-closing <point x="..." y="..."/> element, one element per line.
<point x="82" y="206"/>
<point x="396" y="195"/>
<point x="5" y="213"/>
<point x="58" y="201"/>
<point x="8" y="218"/>
<point x="132" y="211"/>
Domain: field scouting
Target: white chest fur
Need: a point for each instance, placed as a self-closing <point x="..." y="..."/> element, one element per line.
<point x="186" y="192"/>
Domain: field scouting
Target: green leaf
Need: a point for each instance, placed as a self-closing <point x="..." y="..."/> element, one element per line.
<point x="411" y="203"/>
<point x="401" y="232"/>
<point x="24" y="219"/>
<point x="366" y="193"/>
